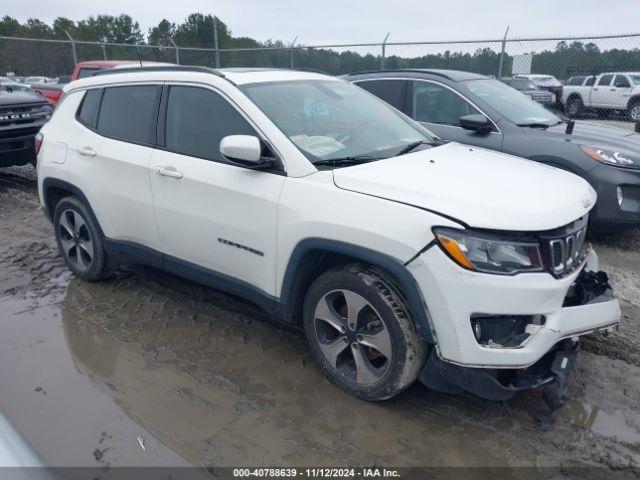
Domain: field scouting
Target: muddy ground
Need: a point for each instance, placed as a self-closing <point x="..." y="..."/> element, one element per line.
<point x="206" y="379"/>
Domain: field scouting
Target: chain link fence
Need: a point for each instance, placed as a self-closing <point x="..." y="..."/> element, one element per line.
<point x="561" y="57"/>
<point x="558" y="57"/>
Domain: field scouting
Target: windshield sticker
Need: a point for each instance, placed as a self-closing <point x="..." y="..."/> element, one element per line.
<point x="313" y="109"/>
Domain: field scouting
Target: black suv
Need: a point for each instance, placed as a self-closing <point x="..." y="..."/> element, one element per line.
<point x="478" y="110"/>
<point x="22" y="113"/>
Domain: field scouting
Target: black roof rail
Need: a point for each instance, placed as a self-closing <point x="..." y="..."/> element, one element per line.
<point x="403" y="70"/>
<point x="161" y="68"/>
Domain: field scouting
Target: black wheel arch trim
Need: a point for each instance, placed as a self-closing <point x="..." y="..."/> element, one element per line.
<point x="50" y="183"/>
<point x="406" y="281"/>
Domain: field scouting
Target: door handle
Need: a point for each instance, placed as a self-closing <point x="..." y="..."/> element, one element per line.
<point x="87" y="151"/>
<point x="613" y="89"/>
<point x="167" y="171"/>
<point x="595" y="89"/>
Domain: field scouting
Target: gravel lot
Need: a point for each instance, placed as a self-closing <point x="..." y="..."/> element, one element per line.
<point x="206" y="379"/>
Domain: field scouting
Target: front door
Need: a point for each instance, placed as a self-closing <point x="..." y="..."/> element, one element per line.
<point x="439" y="108"/>
<point x="214" y="218"/>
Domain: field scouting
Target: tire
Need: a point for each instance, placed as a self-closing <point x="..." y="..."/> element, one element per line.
<point x="342" y="344"/>
<point x="634" y="111"/>
<point x="574" y="107"/>
<point x="80" y="242"/>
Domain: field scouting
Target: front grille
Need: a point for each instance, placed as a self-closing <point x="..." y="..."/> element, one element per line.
<point x="23" y="115"/>
<point x="566" y="248"/>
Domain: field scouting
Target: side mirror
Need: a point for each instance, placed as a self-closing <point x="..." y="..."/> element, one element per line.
<point x="244" y="150"/>
<point x="476" y="122"/>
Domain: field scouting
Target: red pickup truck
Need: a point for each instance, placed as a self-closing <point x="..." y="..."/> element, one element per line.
<point x="53" y="92"/>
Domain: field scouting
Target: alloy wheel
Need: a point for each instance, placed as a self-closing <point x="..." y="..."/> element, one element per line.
<point x="75" y="239"/>
<point x="353" y="336"/>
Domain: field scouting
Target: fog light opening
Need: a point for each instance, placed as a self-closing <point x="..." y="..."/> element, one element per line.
<point x="504" y="331"/>
<point x="619" y="195"/>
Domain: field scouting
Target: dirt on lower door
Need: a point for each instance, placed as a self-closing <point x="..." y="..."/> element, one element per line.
<point x="206" y="379"/>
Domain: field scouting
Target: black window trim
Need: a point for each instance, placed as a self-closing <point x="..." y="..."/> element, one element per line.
<point x="95" y="130"/>
<point x="162" y="123"/>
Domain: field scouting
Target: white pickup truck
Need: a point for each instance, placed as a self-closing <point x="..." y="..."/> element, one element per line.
<point x="604" y="93"/>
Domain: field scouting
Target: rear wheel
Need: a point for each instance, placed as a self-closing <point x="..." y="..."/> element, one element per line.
<point x="574" y="107"/>
<point x="360" y="333"/>
<point x="80" y="242"/>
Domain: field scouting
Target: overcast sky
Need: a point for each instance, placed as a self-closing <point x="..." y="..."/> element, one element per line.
<point x="343" y="21"/>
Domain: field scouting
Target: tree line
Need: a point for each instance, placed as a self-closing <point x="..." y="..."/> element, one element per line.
<point x="197" y="31"/>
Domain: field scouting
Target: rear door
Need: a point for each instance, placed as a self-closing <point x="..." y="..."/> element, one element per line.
<point x="601" y="94"/>
<point x="212" y="215"/>
<point x="111" y="157"/>
<point x="621" y="92"/>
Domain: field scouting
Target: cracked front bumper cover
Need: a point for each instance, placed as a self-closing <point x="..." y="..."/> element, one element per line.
<point x="550" y="371"/>
<point x="498" y="384"/>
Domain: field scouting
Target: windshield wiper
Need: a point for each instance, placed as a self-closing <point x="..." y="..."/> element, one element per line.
<point x="411" y="146"/>
<point x="344" y="161"/>
<point x="535" y="125"/>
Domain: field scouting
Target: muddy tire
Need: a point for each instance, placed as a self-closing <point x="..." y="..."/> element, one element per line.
<point x="634" y="111"/>
<point x="80" y="242"/>
<point x="574" y="107"/>
<point x="360" y="333"/>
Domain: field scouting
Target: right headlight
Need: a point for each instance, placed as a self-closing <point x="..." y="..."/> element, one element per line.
<point x="490" y="253"/>
<point x="612" y="157"/>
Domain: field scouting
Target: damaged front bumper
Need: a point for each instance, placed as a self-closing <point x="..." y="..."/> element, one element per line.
<point x="550" y="371"/>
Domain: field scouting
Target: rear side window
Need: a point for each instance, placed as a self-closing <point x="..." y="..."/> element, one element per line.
<point x="129" y="113"/>
<point x="198" y="119"/>
<point x="605" y="80"/>
<point x="88" y="72"/>
<point x="391" y="91"/>
<point x="88" y="113"/>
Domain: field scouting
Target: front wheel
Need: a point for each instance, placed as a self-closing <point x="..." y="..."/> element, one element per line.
<point x="360" y="333"/>
<point x="574" y="107"/>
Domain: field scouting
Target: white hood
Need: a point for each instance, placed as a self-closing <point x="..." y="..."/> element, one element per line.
<point x="481" y="188"/>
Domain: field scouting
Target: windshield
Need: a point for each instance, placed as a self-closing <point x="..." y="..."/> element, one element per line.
<point x="523" y="84"/>
<point x="510" y="103"/>
<point x="635" y="79"/>
<point x="328" y="119"/>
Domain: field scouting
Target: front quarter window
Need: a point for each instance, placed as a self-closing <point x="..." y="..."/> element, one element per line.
<point x="329" y="119"/>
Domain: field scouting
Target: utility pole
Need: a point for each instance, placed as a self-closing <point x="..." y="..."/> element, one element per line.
<point x="73" y="48"/>
<point x="215" y="42"/>
<point x="504" y="44"/>
<point x="293" y="44"/>
<point x="177" y="51"/>
<point x="384" y="47"/>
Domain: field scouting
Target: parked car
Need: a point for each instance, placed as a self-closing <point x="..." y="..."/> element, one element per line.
<point x="53" y="92"/>
<point x="477" y="110"/>
<point x="531" y="90"/>
<point x="613" y="91"/>
<point x="36" y="79"/>
<point x="545" y="82"/>
<point x="8" y="84"/>
<point x="22" y="113"/>
<point x="401" y="257"/>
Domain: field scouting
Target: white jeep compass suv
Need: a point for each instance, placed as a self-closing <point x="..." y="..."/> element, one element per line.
<point x="401" y="256"/>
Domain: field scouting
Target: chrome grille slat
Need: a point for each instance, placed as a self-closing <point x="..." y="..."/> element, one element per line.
<point x="566" y="252"/>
